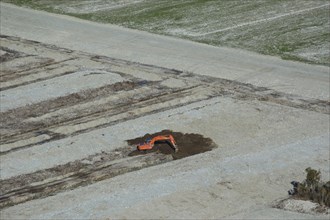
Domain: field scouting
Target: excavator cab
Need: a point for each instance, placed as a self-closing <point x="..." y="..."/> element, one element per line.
<point x="150" y="143"/>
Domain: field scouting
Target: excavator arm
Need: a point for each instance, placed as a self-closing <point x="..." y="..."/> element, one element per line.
<point x="149" y="144"/>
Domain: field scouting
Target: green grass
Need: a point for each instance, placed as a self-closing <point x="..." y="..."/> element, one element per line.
<point x="303" y="37"/>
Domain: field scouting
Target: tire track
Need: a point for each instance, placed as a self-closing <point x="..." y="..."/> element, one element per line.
<point x="90" y="109"/>
<point x="17" y="79"/>
<point x="98" y="167"/>
<point x="75" y="174"/>
<point x="260" y="21"/>
<point x="98" y="118"/>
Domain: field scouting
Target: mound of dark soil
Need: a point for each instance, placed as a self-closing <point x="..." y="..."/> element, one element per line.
<point x="188" y="144"/>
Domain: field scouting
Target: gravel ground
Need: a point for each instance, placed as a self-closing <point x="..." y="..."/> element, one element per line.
<point x="266" y="132"/>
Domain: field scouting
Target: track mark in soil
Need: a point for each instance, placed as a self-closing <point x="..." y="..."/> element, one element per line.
<point x="114" y="112"/>
<point x="23" y="122"/>
<point x="188" y="144"/>
<point x="108" y="105"/>
<point x="13" y="78"/>
<point x="98" y="167"/>
<point x="7" y="54"/>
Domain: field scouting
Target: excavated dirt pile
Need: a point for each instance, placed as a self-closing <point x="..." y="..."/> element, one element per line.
<point x="188" y="144"/>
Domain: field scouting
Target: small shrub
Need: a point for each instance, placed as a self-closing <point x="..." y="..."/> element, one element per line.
<point x="312" y="188"/>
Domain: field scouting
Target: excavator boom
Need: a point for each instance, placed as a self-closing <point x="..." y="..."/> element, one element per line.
<point x="149" y="144"/>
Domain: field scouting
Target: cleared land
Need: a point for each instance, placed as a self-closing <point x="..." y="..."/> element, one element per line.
<point x="292" y="29"/>
<point x="56" y="144"/>
<point x="72" y="113"/>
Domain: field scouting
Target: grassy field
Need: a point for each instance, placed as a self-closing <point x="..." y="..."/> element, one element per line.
<point x="291" y="29"/>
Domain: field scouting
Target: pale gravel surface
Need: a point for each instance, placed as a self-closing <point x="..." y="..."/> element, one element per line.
<point x="261" y="146"/>
<point x="191" y="180"/>
<point x="255" y="131"/>
<point x="259" y="154"/>
<point x="56" y="87"/>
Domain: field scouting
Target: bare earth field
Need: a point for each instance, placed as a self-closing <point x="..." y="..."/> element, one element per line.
<point x="76" y="97"/>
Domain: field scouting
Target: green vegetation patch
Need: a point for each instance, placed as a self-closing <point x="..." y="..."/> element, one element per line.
<point x="291" y="29"/>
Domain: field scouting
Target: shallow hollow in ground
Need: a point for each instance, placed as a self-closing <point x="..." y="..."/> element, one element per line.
<point x="188" y="144"/>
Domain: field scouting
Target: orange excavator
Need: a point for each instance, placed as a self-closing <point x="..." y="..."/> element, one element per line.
<point x="150" y="143"/>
